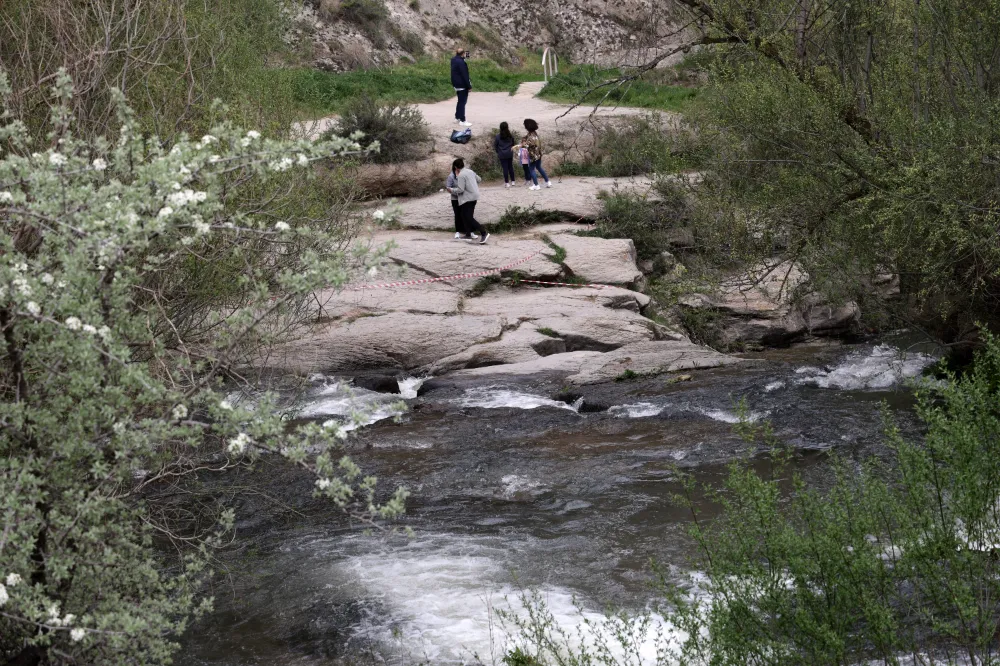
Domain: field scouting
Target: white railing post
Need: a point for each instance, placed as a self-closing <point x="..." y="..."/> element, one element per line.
<point x="550" y="63"/>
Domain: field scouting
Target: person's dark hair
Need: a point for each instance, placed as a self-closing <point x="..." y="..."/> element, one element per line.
<point x="458" y="164"/>
<point x="505" y="132"/>
<point x="530" y="125"/>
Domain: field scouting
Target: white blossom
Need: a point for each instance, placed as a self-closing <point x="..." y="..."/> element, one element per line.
<point x="201" y="227"/>
<point x="213" y="159"/>
<point x="99" y="164"/>
<point x="284" y="164"/>
<point x="32" y="307"/>
<point x="253" y="134"/>
<point x="226" y="405"/>
<point x="13" y="579"/>
<point x="68" y="619"/>
<point x="303" y="160"/>
<point x="179" y="412"/>
<point x="323" y="484"/>
<point x="22" y="286"/>
<point x="57" y="159"/>
<point x="207" y="139"/>
<point x="6" y="197"/>
<point x="281" y="226"/>
<point x="54" y="611"/>
<point x="239" y="443"/>
<point x="166" y="211"/>
<point x="372" y="272"/>
<point x="87" y="328"/>
<point x="379" y="215"/>
<point x="73" y="323"/>
<point x="77" y="634"/>
<point x="244" y="142"/>
<point x="104" y="332"/>
<point x="3" y="595"/>
<point x="47" y="278"/>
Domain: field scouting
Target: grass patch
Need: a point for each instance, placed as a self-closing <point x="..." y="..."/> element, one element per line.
<point x="573" y="86"/>
<point x="544" y="330"/>
<point x="318" y="93"/>
<point x="627" y="376"/>
<point x="515" y="218"/>
<point x="481" y="285"/>
<point x="559" y="252"/>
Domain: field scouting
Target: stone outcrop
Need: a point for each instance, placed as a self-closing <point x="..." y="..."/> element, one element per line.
<point x="605" y="261"/>
<point x="769" y="305"/>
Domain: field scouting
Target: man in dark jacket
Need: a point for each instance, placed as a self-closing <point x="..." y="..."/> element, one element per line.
<point x="461" y="82"/>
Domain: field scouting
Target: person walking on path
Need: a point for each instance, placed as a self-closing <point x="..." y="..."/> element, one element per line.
<point x="461" y="82"/>
<point x="460" y="231"/>
<point x="467" y="189"/>
<point x="534" y="146"/>
<point x="503" y="144"/>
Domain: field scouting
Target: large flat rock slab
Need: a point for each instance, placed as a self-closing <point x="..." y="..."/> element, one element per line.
<point x="651" y="358"/>
<point x="600" y="260"/>
<point x="393" y="340"/>
<point x="436" y="255"/>
<point x="576" y="197"/>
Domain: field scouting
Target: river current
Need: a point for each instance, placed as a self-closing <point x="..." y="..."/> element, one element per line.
<point x="519" y="485"/>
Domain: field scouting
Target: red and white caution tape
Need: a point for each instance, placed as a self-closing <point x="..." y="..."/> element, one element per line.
<point x="570" y="284"/>
<point x="460" y="276"/>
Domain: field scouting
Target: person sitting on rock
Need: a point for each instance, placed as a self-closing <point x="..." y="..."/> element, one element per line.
<point x="461" y="82"/>
<point x="467" y="188"/>
<point x="534" y="146"/>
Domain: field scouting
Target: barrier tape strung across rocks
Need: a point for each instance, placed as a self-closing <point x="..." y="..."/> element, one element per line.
<point x="570" y="284"/>
<point x="459" y="276"/>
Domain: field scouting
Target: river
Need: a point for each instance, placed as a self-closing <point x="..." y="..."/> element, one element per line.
<point x="513" y="489"/>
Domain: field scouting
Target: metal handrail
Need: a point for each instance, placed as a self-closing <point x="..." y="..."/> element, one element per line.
<point x="550" y="63"/>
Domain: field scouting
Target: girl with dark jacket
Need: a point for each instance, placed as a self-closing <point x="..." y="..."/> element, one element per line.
<point x="503" y="144"/>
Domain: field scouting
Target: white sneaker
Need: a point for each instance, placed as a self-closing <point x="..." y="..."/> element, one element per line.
<point x="457" y="235"/>
<point x="465" y="124"/>
<point x="548" y="183"/>
<point x="534" y="187"/>
<point x="506" y="185"/>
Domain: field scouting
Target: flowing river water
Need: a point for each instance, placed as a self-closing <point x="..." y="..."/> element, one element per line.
<point x="514" y="489"/>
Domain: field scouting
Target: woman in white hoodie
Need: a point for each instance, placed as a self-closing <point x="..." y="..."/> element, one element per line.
<point x="467" y="188"/>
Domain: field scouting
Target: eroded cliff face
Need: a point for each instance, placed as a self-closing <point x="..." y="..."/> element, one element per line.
<point x="338" y="35"/>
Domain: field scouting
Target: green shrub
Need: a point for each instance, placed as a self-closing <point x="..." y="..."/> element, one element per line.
<point x="589" y="86"/>
<point x="370" y="16"/>
<point x="635" y="146"/>
<point x="399" y="128"/>
<point x="410" y="42"/>
<point x="648" y="221"/>
<point x="518" y="217"/>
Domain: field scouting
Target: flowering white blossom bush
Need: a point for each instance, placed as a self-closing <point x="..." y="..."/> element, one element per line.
<point x="111" y="368"/>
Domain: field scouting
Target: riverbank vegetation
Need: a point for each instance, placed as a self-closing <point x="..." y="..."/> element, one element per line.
<point x="893" y="563"/>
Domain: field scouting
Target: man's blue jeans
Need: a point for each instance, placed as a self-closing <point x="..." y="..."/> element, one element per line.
<point x="463" y="97"/>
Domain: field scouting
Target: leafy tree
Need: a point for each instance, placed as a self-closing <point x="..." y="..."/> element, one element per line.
<point x="109" y="390"/>
<point x="859" y="138"/>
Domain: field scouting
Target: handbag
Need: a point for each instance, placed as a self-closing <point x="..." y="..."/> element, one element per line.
<point x="522" y="155"/>
<point x="461" y="136"/>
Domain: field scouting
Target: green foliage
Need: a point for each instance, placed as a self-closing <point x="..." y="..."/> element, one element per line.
<point x="647" y="220"/>
<point x="399" y="129"/>
<point x="592" y="85"/>
<point x="558" y="251"/>
<point x="482" y="285"/>
<point x="113" y="364"/>
<point x="171" y="58"/>
<point x="627" y="376"/>
<point x="860" y="138"/>
<point x="370" y="16"/>
<point x="515" y="218"/>
<point x="544" y="330"/>
<point x="517" y="657"/>
<point x="635" y="146"/>
<point x="411" y="42"/>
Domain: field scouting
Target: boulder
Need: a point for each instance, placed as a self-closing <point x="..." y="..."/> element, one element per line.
<point x="650" y="358"/>
<point x="521" y="345"/>
<point x="767" y="306"/>
<point x="393" y="340"/>
<point x="600" y="260"/>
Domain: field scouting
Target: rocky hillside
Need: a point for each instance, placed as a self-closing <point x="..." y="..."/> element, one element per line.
<point x="338" y="35"/>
